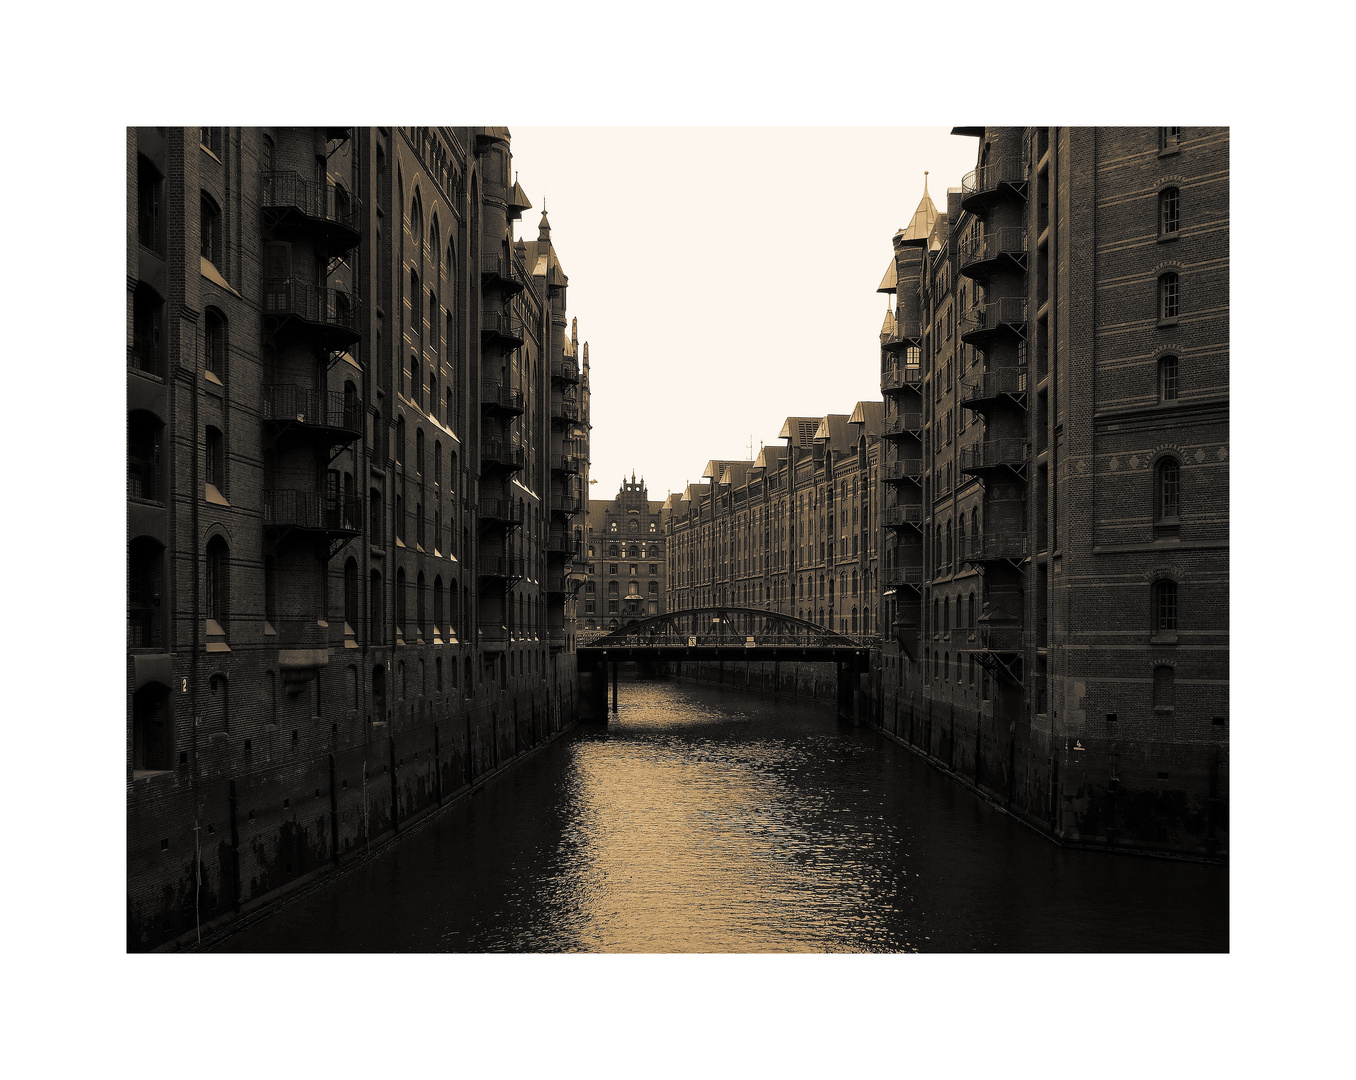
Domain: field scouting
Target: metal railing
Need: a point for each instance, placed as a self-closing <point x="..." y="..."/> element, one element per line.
<point x="568" y="504"/>
<point x="564" y="463"/>
<point x="992" y="384"/>
<point x="323" y="511"/>
<point x="502" y="453"/>
<point x="502" y="566"/>
<point x="565" y="409"/>
<point x="993" y="545"/>
<point x="901" y="377"/>
<point x="287" y="190"/>
<point x="143" y="628"/>
<point x="902" y="575"/>
<point x="144" y="481"/>
<point x="566" y="370"/>
<point x="502" y="396"/>
<point x="989" y="177"/>
<point x="994" y="453"/>
<point x="322" y="408"/>
<point x="993" y="243"/>
<point x="1005" y="311"/>
<point x="501" y="510"/>
<point x="904" y="469"/>
<point x="903" y="424"/>
<point x="314" y="303"/>
<point x="902" y="515"/>
<point x="494" y="322"/>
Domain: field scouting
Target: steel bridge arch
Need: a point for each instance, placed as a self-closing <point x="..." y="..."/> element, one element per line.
<point x="698" y="622"/>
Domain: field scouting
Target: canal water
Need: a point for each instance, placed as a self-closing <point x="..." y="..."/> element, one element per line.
<point x="710" y="820"/>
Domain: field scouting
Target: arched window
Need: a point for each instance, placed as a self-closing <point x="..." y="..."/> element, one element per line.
<point x="214" y="343"/>
<point x="209" y="228"/>
<point x="1168" y="296"/>
<point x="1167" y="477"/>
<point x="419" y="450"/>
<point x="1165" y="606"/>
<point x="400" y="600"/>
<point x="400" y="440"/>
<point x="215" y="460"/>
<point x="1167" y="378"/>
<point x="352" y="411"/>
<point x="375" y="531"/>
<point x="1169" y="212"/>
<point x="452" y="609"/>
<point x="438" y="622"/>
<point x="218" y="582"/>
<point x="379" y="690"/>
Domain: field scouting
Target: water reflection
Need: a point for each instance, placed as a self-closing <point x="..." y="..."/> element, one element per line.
<point x="710" y="821"/>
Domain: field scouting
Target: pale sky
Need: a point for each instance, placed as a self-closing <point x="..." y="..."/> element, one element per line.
<point x="725" y="277"/>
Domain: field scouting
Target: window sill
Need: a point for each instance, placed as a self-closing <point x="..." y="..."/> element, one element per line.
<point x="208" y="151"/>
<point x="1164" y="324"/>
<point x="1164" y="238"/>
<point x="1163" y="710"/>
<point x="215" y="497"/>
<point x="1169" y="151"/>
<point x="150" y="774"/>
<point x="212" y="378"/>
<point x="1163" y="639"/>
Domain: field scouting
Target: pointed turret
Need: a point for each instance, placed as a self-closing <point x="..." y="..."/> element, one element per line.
<point x="916" y="233"/>
<point x="887" y="328"/>
<point x="544" y="229"/>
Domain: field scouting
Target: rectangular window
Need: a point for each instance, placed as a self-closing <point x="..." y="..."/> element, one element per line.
<point x="612" y="606"/>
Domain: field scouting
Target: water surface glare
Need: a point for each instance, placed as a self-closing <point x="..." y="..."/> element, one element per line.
<point x="708" y="820"/>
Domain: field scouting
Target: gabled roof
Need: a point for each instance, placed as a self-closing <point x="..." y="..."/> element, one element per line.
<point x="715" y="470"/>
<point x="800" y="430"/>
<point x="769" y="457"/>
<point x="833" y="428"/>
<point x="870" y="414"/>
<point x="736" y="472"/>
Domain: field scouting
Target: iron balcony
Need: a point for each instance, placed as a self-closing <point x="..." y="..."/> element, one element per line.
<point x="498" y="397"/>
<point x="892" y="577"/>
<point x="906" y="470"/>
<point x="993" y="546"/>
<point x="324" y="411"/>
<point x="897" y="427"/>
<point x="498" y="452"/>
<point x="986" y="185"/>
<point x="896" y="517"/>
<point x="328" y="316"/>
<point x="504" y="328"/>
<point x="501" y="567"/>
<point x="991" y="386"/>
<point x="989" y="454"/>
<point x="497" y="271"/>
<point x="566" y="504"/>
<point x="893" y="379"/>
<point x="505" y="512"/>
<point x="566" y="409"/>
<point x="288" y="201"/>
<point x="567" y="371"/>
<point x="992" y="250"/>
<point x="312" y="511"/>
<point x="564" y="463"/>
<point x="1006" y="315"/>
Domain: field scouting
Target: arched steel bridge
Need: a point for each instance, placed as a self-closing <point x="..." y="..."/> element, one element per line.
<point x="725" y="633"/>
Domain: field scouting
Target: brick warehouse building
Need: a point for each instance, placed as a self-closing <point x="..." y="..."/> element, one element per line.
<point x="1056" y="382"/>
<point x="357" y="444"/>
<point x="792" y="531"/>
<point x="627" y="567"/>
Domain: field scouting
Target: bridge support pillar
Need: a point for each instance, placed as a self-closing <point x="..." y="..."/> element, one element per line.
<point x="614" y="686"/>
<point x="847" y="696"/>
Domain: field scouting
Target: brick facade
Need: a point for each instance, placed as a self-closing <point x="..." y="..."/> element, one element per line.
<point x="357" y="444"/>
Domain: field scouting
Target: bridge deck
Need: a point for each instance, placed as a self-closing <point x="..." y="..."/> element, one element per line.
<point x="857" y="656"/>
